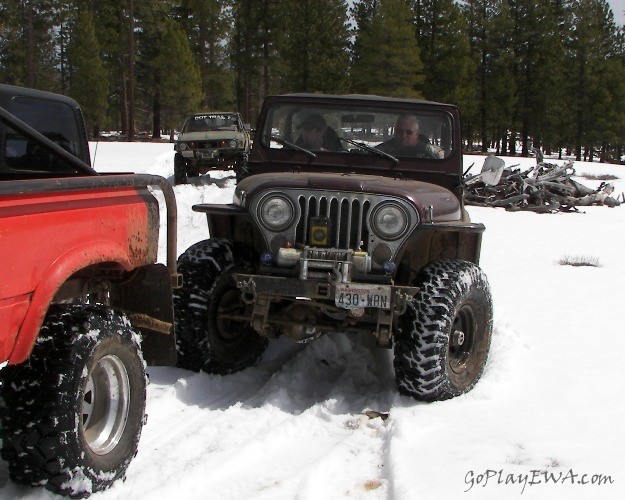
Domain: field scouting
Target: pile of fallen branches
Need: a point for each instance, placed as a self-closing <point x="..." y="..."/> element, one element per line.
<point x="544" y="188"/>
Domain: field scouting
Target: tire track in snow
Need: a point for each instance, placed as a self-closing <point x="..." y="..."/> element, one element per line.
<point x="288" y="428"/>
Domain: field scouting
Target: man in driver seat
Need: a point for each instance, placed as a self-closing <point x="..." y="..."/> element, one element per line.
<point x="317" y="136"/>
<point x="407" y="142"/>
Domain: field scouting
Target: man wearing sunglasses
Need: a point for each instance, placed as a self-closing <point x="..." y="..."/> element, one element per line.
<point x="407" y="142"/>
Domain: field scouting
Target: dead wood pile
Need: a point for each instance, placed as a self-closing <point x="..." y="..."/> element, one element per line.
<point x="544" y="188"/>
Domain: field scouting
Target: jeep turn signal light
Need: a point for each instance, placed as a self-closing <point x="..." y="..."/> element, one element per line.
<point x="266" y="258"/>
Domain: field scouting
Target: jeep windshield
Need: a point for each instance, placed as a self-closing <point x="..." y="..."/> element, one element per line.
<point x="209" y="122"/>
<point x="346" y="128"/>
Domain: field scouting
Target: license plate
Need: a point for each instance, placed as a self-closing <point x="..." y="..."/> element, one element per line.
<point x="350" y="296"/>
<point x="209" y="155"/>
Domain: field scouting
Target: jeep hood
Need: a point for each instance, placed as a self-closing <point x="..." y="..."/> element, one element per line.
<point x="445" y="205"/>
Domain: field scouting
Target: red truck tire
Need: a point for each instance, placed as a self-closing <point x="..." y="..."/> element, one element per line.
<point x="72" y="414"/>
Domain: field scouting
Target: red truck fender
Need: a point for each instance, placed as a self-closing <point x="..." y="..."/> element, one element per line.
<point x="95" y="252"/>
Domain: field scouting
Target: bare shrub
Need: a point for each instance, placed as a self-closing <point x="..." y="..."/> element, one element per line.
<point x="599" y="177"/>
<point x="579" y="261"/>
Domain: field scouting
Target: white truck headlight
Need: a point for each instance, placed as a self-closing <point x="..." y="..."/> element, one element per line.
<point x="276" y="212"/>
<point x="389" y="221"/>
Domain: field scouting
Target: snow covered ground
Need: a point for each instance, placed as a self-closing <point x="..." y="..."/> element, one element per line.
<point x="545" y="421"/>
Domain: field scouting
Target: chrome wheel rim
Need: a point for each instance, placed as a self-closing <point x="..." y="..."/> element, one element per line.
<point x="105" y="404"/>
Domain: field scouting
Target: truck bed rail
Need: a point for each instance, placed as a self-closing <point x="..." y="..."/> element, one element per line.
<point x="112" y="181"/>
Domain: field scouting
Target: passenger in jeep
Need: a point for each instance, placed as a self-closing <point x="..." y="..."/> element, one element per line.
<point x="406" y="140"/>
<point x="317" y="136"/>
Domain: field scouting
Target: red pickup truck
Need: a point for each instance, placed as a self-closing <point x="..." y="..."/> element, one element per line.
<point x="82" y="299"/>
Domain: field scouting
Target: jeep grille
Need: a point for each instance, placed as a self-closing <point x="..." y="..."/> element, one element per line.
<point x="347" y="216"/>
<point x="342" y="219"/>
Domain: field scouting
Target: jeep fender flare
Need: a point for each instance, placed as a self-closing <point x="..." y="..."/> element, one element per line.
<point x="231" y="222"/>
<point x="431" y="242"/>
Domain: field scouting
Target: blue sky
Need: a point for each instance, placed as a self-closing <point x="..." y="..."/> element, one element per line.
<point x="618" y="7"/>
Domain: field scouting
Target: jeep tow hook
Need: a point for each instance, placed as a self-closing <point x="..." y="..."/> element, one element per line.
<point x="248" y="290"/>
<point x="402" y="299"/>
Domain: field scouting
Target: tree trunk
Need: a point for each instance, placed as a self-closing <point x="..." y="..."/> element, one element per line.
<point x="131" y="71"/>
<point x="206" y="101"/>
<point x="511" y="145"/>
<point x="525" y="150"/>
<point x="123" y="97"/>
<point x="30" y="44"/>
<point x="156" y="115"/>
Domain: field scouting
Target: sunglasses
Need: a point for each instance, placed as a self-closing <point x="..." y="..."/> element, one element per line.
<point x="404" y="131"/>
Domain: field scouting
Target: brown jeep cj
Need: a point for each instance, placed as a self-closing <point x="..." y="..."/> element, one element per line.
<point x="350" y="219"/>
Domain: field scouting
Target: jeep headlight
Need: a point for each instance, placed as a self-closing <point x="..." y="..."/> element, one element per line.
<point x="233" y="143"/>
<point x="276" y="212"/>
<point x="389" y="221"/>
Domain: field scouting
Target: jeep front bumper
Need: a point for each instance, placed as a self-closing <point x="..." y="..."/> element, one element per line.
<point x="357" y="307"/>
<point x="201" y="161"/>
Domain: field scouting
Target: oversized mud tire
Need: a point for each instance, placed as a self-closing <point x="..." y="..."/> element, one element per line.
<point x="205" y="340"/>
<point x="180" y="169"/>
<point x="443" y="339"/>
<point x="240" y="167"/>
<point x="72" y="414"/>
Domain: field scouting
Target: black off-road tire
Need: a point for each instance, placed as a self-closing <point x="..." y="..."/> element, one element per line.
<point x="204" y="340"/>
<point x="442" y="342"/>
<point x="240" y="167"/>
<point x="72" y="414"/>
<point x="180" y="169"/>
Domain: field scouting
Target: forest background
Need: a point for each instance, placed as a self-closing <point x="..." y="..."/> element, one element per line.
<point x="542" y="73"/>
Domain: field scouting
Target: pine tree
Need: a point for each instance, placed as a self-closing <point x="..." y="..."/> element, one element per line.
<point x="557" y="120"/>
<point x="253" y="52"/>
<point x="116" y="29"/>
<point x="207" y="24"/>
<point x="12" y="50"/>
<point x="106" y="15"/>
<point x="446" y="54"/>
<point x="180" y="84"/>
<point x="488" y="23"/>
<point x="88" y="82"/>
<point x="314" y="45"/>
<point x="538" y="50"/>
<point x="152" y="25"/>
<point x="619" y="98"/>
<point x="28" y="55"/>
<point x="362" y="13"/>
<point x="63" y="18"/>
<point x="388" y="61"/>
